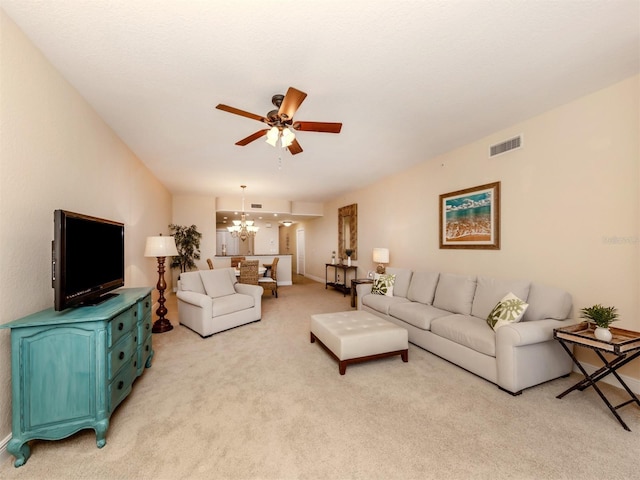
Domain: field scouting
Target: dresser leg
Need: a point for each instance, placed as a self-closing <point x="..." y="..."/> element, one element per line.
<point x="101" y="432"/>
<point x="20" y="450"/>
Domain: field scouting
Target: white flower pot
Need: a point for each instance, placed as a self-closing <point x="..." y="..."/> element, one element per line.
<point x="603" y="334"/>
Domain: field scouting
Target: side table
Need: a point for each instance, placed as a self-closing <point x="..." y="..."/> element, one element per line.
<point x="625" y="345"/>
<point x="354" y="283"/>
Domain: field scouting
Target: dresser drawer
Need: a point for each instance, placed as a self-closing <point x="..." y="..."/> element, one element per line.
<point x="120" y="387"/>
<point x="144" y="353"/>
<point x="121" y="325"/>
<point x="120" y="354"/>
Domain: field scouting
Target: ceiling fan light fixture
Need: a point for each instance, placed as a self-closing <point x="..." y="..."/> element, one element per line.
<point x="272" y="136"/>
<point x="287" y="137"/>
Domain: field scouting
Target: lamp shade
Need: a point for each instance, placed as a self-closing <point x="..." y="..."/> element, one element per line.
<point x="160" y="247"/>
<point x="381" y="255"/>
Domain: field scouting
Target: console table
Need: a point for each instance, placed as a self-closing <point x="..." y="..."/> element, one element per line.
<point x="71" y="369"/>
<point x="341" y="285"/>
<point x="625" y="345"/>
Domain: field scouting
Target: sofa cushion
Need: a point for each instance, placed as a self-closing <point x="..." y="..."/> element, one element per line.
<point x="217" y="283"/>
<point x="491" y="290"/>
<point x="547" y="302"/>
<point x="381" y="303"/>
<point x="468" y="331"/>
<point x="191" y="282"/>
<point x="231" y="303"/>
<point x="417" y="314"/>
<point x="423" y="287"/>
<point x="508" y="310"/>
<point x="383" y="285"/>
<point x="403" y="278"/>
<point x="454" y="293"/>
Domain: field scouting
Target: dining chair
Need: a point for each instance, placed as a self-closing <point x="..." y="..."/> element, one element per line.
<point x="271" y="282"/>
<point x="249" y="272"/>
<point x="236" y="260"/>
<point x="210" y="263"/>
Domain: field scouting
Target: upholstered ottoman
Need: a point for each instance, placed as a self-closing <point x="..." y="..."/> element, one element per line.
<point x="357" y="336"/>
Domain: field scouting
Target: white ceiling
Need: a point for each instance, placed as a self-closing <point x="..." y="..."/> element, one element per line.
<point x="408" y="79"/>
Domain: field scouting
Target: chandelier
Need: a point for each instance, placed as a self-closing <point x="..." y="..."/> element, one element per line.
<point x="243" y="228"/>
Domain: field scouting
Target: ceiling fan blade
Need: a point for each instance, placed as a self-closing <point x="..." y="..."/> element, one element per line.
<point x="242" y="113"/>
<point x="295" y="147"/>
<point x="252" y="137"/>
<point x="327" y="127"/>
<point x="290" y="103"/>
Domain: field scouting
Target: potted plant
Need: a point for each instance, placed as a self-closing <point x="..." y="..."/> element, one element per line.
<point x="602" y="317"/>
<point x="188" y="245"/>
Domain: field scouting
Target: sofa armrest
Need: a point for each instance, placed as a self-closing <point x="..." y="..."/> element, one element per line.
<point x="527" y="354"/>
<point x="362" y="289"/>
<point x="528" y="333"/>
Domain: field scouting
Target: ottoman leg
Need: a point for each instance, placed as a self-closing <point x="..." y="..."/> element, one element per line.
<point x="342" y="367"/>
<point x="313" y="338"/>
<point x="405" y="355"/>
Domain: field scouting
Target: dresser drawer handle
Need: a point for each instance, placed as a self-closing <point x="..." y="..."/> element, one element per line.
<point x="135" y="339"/>
<point x="121" y="356"/>
<point x="135" y="364"/>
<point x="120" y="326"/>
<point x="146" y="348"/>
<point x="120" y="385"/>
<point x="146" y="304"/>
<point x="135" y="313"/>
<point x="147" y="326"/>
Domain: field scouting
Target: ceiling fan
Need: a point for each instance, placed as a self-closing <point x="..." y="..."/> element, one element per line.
<point x="280" y="119"/>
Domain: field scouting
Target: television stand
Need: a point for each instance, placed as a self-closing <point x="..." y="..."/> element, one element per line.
<point x="71" y="369"/>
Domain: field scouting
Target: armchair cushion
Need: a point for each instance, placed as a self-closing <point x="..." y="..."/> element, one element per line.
<point x="191" y="282"/>
<point x="217" y="283"/>
<point x="231" y="303"/>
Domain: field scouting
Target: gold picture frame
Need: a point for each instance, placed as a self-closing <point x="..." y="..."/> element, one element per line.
<point x="470" y="218"/>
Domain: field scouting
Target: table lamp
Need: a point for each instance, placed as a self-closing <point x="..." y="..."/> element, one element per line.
<point x="161" y="247"/>
<point x="380" y="256"/>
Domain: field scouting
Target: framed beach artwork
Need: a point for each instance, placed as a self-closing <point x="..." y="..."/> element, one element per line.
<point x="470" y="218"/>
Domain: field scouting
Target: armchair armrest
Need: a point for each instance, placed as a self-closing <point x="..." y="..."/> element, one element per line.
<point x="253" y="290"/>
<point x="194" y="298"/>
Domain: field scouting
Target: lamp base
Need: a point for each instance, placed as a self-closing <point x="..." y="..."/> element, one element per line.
<point x="381" y="269"/>
<point x="161" y="325"/>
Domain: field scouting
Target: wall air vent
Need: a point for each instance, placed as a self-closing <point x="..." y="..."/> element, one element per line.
<point x="256" y="205"/>
<point x="506" y="146"/>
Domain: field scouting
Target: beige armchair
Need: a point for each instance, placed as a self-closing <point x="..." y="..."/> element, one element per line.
<point x="211" y="301"/>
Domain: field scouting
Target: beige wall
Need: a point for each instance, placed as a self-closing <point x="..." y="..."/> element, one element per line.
<point x="55" y="152"/>
<point x="570" y="206"/>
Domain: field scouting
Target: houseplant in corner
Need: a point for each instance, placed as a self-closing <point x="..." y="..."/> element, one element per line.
<point x="602" y="317"/>
<point x="188" y="245"/>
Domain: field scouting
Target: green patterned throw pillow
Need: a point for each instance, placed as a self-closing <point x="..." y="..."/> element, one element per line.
<point x="508" y="310"/>
<point x="383" y="285"/>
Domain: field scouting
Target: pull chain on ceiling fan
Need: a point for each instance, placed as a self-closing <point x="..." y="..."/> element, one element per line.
<point x="281" y="121"/>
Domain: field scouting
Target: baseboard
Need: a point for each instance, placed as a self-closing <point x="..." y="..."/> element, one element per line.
<point x="315" y="279"/>
<point x="4" y="455"/>
<point x="632" y="383"/>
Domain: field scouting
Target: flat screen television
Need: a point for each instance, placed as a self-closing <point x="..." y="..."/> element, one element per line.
<point x="87" y="259"/>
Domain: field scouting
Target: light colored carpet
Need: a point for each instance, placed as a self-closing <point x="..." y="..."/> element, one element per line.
<point x="262" y="402"/>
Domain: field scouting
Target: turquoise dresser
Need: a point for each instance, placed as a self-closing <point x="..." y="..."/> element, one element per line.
<point x="71" y="369"/>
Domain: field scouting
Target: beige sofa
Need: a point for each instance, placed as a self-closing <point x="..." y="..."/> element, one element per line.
<point x="211" y="301"/>
<point x="446" y="315"/>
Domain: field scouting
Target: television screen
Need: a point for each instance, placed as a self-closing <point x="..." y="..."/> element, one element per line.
<point x="88" y="259"/>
